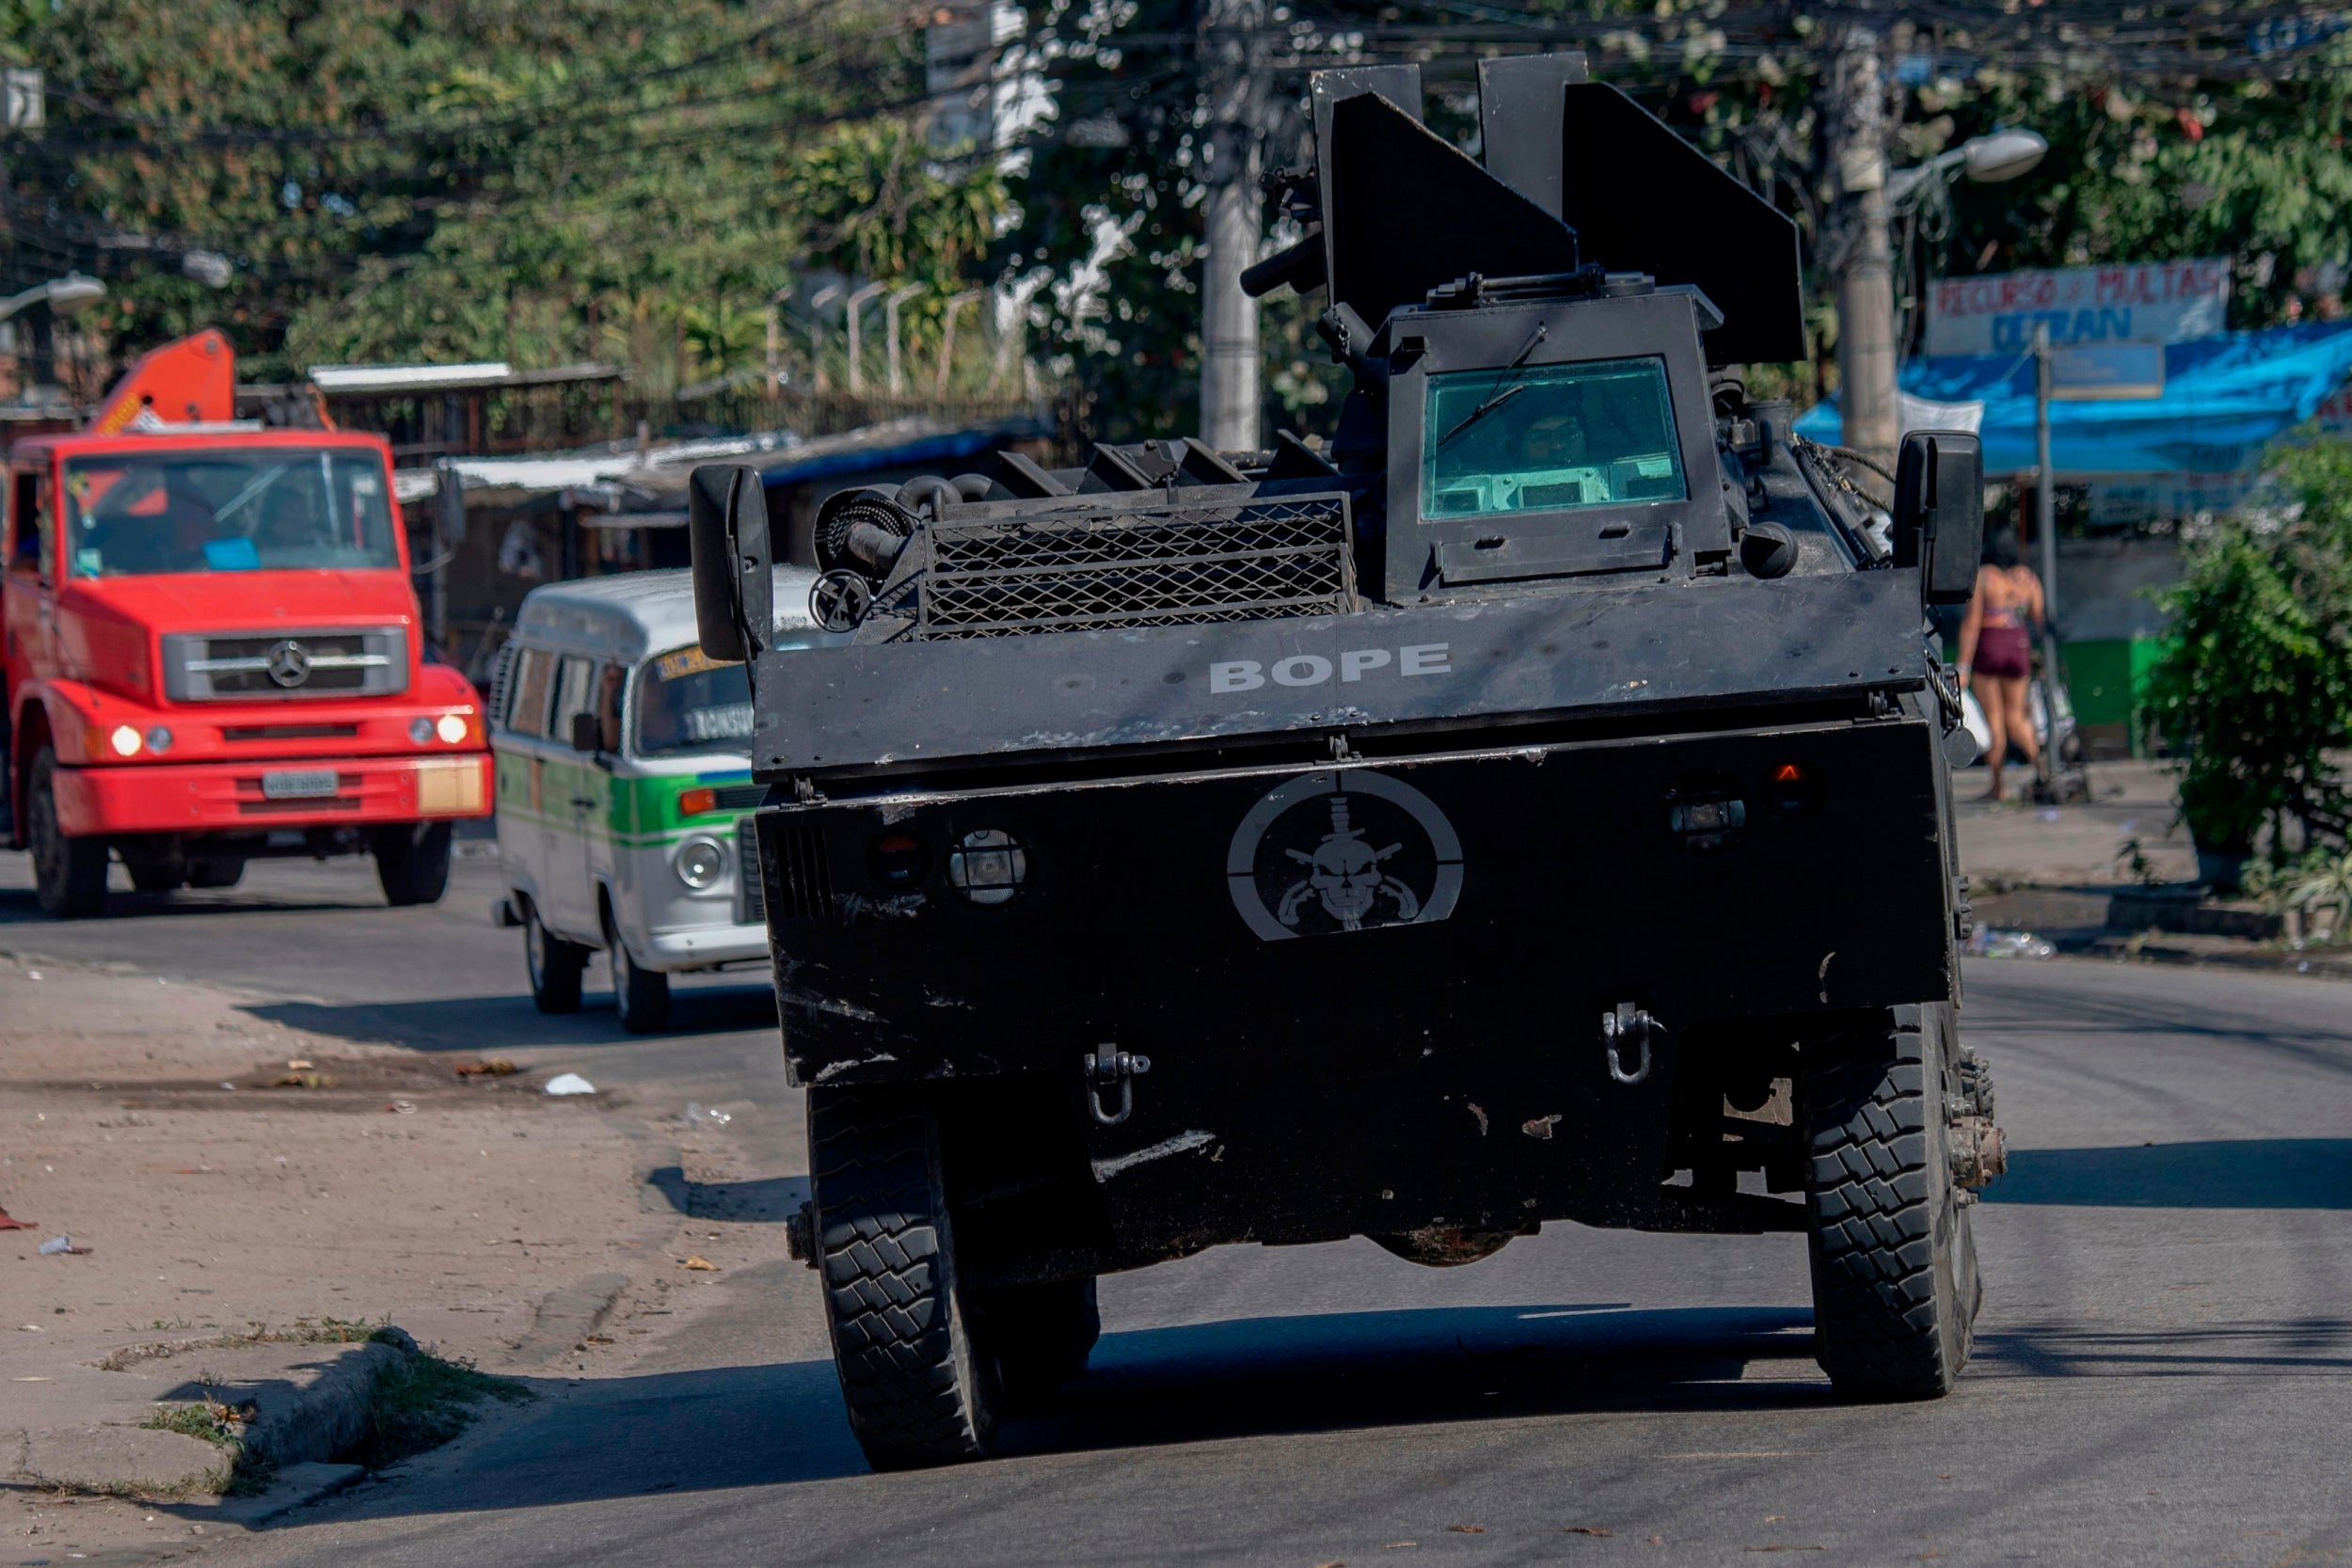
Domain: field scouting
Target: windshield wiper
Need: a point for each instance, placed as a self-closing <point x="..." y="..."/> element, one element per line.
<point x="1498" y="395"/>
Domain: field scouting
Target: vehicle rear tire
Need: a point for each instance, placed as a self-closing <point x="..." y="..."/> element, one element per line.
<point x="1894" y="1284"/>
<point x="1039" y="1335"/>
<point x="555" y="965"/>
<point x="641" y="996"/>
<point x="411" y="862"/>
<point x="918" y="1391"/>
<point x="158" y="876"/>
<point x="216" y="871"/>
<point x="69" y="874"/>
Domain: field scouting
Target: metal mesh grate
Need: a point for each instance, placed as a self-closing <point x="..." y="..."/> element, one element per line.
<point x="1247" y="562"/>
<point x="803" y="882"/>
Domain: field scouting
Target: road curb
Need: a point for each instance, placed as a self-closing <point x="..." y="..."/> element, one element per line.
<point x="294" y="1428"/>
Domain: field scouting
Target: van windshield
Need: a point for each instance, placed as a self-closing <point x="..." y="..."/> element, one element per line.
<point x="689" y="702"/>
<point x="262" y="508"/>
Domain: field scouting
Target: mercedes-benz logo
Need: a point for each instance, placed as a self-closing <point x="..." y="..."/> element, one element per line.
<point x="289" y="662"/>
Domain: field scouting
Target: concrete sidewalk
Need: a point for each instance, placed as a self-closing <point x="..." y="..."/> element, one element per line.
<point x="2083" y="845"/>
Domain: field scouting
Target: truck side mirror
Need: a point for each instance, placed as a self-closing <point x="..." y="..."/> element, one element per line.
<point x="587" y="732"/>
<point x="1939" y="512"/>
<point x="733" y="567"/>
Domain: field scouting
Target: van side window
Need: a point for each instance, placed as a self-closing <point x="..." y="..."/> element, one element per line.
<point x="527" y="710"/>
<point x="611" y="680"/>
<point x="575" y="693"/>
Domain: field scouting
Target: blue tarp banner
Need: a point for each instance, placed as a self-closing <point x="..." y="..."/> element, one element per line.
<point x="2223" y="397"/>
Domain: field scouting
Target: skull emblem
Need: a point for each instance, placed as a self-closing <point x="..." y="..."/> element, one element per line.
<point x="1345" y="872"/>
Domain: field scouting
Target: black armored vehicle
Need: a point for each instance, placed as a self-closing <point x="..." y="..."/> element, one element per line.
<point x="1533" y="806"/>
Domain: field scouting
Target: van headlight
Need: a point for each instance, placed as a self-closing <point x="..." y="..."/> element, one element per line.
<point x="700" y="863"/>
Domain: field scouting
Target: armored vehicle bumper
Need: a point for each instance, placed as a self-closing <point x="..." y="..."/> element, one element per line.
<point x="1371" y="993"/>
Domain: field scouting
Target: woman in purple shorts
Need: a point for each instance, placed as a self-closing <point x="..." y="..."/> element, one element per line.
<point x="1996" y="649"/>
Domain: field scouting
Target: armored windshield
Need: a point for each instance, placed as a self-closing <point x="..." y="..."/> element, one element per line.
<point x="263" y="508"/>
<point x="1548" y="438"/>
<point x="690" y="702"/>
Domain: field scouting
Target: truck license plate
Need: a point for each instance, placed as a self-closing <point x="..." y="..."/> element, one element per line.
<point x="308" y="783"/>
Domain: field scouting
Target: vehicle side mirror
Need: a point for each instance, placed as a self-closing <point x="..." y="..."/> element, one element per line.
<point x="734" y="571"/>
<point x="1939" y="512"/>
<point x="587" y="732"/>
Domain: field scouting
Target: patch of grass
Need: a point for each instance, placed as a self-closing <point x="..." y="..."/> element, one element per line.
<point x="243" y="1472"/>
<point x="421" y="1402"/>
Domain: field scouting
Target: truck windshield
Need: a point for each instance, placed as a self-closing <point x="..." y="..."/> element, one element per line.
<point x="1548" y="438"/>
<point x="689" y="702"/>
<point x="263" y="508"/>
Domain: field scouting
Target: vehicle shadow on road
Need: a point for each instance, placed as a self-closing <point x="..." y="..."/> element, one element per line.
<point x="463" y="1024"/>
<point x="2236" y="1173"/>
<point x="720" y="1429"/>
<point x="769" y="1200"/>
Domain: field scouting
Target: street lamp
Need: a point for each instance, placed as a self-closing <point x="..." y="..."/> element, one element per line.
<point x="63" y="295"/>
<point x="59" y="296"/>
<point x="1985" y="160"/>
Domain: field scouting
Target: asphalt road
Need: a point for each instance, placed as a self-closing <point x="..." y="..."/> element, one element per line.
<point x="2164" y="1369"/>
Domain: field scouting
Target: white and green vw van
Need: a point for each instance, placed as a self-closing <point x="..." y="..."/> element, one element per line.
<point x="623" y="771"/>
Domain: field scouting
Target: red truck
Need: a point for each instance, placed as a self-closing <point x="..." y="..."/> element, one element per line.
<point x="214" y="651"/>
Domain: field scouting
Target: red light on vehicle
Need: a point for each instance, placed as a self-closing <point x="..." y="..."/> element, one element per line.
<point x="1792" y="791"/>
<point x="694" y="802"/>
<point x="898" y="860"/>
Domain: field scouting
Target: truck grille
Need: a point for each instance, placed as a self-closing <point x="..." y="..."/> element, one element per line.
<point x="286" y="664"/>
<point x="751" y="891"/>
<point x="803" y="882"/>
<point x="1067" y="571"/>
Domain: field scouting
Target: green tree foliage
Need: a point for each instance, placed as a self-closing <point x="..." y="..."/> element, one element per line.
<point x="2169" y="139"/>
<point x="533" y="180"/>
<point x="2256" y="683"/>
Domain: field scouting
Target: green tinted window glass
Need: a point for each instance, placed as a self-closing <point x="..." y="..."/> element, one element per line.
<point x="1548" y="438"/>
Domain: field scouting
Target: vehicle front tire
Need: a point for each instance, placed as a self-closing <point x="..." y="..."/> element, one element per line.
<point x="412" y="863"/>
<point x="639" y="995"/>
<point x="555" y="965"/>
<point x="1894" y="1284"/>
<point x="917" y="1387"/>
<point x="1039" y="1334"/>
<point x="69" y="874"/>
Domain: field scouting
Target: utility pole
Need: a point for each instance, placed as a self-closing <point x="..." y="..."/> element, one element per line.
<point x="2045" y="476"/>
<point x="1862" y="259"/>
<point x="1229" y="371"/>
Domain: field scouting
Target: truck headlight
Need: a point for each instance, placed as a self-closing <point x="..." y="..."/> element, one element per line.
<point x="159" y="740"/>
<point x="451" y="728"/>
<point x="987" y="866"/>
<point x="126" y="741"/>
<point x="700" y="863"/>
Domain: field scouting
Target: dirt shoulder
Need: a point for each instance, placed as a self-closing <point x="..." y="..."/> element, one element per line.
<point x="235" y="1190"/>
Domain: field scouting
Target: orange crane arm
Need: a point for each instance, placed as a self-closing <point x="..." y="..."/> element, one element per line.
<point x="190" y="380"/>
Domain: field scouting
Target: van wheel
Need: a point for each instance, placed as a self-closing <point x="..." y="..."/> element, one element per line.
<point x="641" y="996"/>
<point x="555" y="965"/>
<point x="412" y="863"/>
<point x="69" y="874"/>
